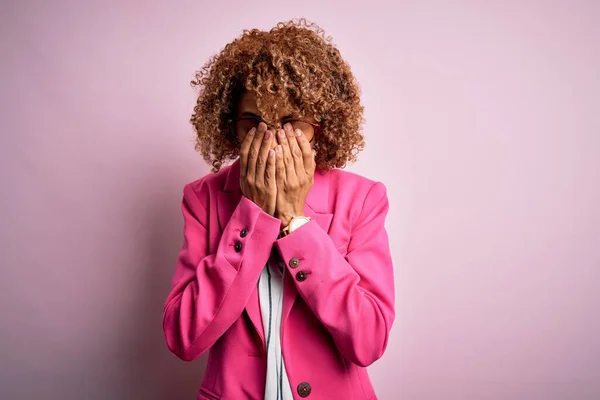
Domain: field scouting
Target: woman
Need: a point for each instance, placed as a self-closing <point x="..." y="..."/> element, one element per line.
<point x="285" y="273"/>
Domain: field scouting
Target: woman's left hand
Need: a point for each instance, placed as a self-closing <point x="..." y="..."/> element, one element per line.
<point x="294" y="173"/>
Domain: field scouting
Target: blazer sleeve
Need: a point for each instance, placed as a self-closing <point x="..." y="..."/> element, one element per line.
<point x="210" y="291"/>
<point x="352" y="296"/>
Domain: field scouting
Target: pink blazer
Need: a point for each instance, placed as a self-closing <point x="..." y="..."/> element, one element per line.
<point x="338" y="304"/>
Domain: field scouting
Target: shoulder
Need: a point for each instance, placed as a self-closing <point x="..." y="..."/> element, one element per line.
<point x="356" y="185"/>
<point x="355" y="200"/>
<point x="204" y="187"/>
<point x="354" y="197"/>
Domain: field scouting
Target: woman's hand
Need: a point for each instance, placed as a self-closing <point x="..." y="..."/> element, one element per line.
<point x="294" y="171"/>
<point x="257" y="168"/>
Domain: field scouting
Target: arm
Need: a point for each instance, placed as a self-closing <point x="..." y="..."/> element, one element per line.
<point x="353" y="297"/>
<point x="209" y="291"/>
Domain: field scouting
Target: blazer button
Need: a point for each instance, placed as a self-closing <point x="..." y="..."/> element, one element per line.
<point x="238" y="247"/>
<point x="301" y="277"/>
<point x="294" y="262"/>
<point x="304" y="389"/>
<point x="244" y="232"/>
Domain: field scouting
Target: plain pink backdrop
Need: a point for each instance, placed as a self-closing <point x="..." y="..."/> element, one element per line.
<point x="483" y="122"/>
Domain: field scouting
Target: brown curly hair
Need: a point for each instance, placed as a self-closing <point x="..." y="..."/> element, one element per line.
<point x="293" y="65"/>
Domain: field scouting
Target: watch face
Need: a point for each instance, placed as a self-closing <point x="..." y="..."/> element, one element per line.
<point x="298" y="222"/>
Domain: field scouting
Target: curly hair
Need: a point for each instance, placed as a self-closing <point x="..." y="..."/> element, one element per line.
<point x="293" y="65"/>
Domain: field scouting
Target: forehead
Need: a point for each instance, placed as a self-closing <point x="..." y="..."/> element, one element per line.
<point x="247" y="103"/>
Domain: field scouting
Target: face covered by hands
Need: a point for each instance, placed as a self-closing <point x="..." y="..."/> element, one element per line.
<point x="277" y="166"/>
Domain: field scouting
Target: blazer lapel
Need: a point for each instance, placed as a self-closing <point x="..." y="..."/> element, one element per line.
<point x="226" y="204"/>
<point x="317" y="208"/>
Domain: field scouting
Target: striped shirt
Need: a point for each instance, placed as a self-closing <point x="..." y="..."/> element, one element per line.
<point x="270" y="289"/>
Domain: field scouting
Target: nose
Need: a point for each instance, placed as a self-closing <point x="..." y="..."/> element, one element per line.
<point x="274" y="128"/>
<point x="275" y="131"/>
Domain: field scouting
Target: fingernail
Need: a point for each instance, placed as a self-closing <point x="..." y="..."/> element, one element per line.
<point x="281" y="134"/>
<point x="252" y="131"/>
<point x="298" y="132"/>
<point x="262" y="127"/>
<point x="271" y="153"/>
<point x="288" y="126"/>
<point x="267" y="134"/>
<point x="278" y="148"/>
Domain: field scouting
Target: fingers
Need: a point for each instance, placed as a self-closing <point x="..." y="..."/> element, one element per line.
<point x="279" y="166"/>
<point x="288" y="158"/>
<point x="244" y="152"/>
<point x="261" y="161"/>
<point x="295" y="150"/>
<point x="271" y="183"/>
<point x="254" y="149"/>
<point x="270" y="173"/>
<point x="307" y="152"/>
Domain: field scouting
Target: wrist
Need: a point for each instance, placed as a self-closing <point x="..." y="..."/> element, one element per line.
<point x="286" y="217"/>
<point x="285" y="221"/>
<point x="296" y="222"/>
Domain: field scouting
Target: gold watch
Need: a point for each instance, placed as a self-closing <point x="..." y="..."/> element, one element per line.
<point x="295" y="223"/>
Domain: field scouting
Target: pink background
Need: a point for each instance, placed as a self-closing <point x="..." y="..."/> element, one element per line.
<point x="483" y="121"/>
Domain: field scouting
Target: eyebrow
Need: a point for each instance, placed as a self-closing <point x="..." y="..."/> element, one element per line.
<point x="251" y="114"/>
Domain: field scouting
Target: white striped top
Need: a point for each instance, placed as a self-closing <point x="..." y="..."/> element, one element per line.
<point x="270" y="290"/>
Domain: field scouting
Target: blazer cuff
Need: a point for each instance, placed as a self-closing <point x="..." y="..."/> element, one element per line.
<point x="249" y="227"/>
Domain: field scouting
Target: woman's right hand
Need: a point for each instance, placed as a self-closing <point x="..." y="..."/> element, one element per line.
<point x="257" y="168"/>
